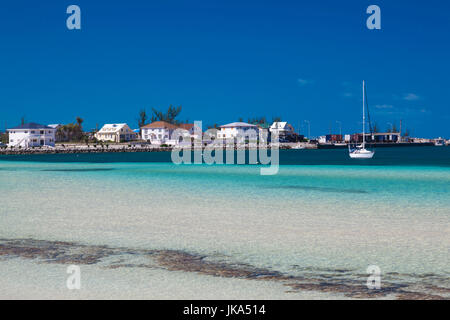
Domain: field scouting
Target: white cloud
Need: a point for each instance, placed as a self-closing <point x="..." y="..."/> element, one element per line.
<point x="303" y="82"/>
<point x="411" y="97"/>
<point x="384" y="106"/>
<point x="387" y="109"/>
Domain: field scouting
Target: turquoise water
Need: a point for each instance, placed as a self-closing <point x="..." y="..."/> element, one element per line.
<point x="404" y="156"/>
<point x="338" y="215"/>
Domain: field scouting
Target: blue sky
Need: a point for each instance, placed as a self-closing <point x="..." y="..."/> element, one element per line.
<point x="221" y="60"/>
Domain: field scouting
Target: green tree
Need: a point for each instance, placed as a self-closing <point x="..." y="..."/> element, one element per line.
<point x="168" y="116"/>
<point x="79" y="122"/>
<point x="4" y="137"/>
<point x="257" y="120"/>
<point x="214" y="126"/>
<point x="276" y="119"/>
<point x="142" y="120"/>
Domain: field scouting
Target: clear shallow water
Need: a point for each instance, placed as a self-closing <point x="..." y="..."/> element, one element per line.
<point x="307" y="220"/>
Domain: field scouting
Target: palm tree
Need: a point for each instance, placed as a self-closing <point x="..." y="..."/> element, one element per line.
<point x="79" y="122"/>
<point x="142" y="118"/>
<point x="79" y="129"/>
<point x="276" y="119"/>
<point x="168" y="116"/>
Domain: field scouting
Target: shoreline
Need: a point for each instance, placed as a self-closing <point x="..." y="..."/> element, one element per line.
<point x="115" y="149"/>
<point x="133" y="148"/>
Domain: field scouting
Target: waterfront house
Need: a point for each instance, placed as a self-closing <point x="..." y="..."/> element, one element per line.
<point x="31" y="135"/>
<point x="158" y="132"/>
<point x="138" y="133"/>
<point x="284" y="130"/>
<point x="61" y="135"/>
<point x="194" y="131"/>
<point x="116" y="132"/>
<point x="234" y="129"/>
<point x="162" y="132"/>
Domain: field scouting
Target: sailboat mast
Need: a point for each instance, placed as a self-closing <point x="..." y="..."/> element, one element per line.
<point x="364" y="120"/>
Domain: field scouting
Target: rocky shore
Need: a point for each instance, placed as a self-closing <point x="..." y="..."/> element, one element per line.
<point x="74" y="148"/>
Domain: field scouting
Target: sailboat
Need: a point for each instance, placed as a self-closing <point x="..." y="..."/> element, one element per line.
<point x="360" y="152"/>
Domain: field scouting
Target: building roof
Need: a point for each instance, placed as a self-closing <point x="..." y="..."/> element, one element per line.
<point x="112" y="127"/>
<point x="160" y="125"/>
<point x="279" y="125"/>
<point x="187" y="126"/>
<point x="54" y="126"/>
<point x="238" y="125"/>
<point x="30" y="125"/>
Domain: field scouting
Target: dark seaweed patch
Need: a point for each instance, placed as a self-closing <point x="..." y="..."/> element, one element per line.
<point x="326" y="280"/>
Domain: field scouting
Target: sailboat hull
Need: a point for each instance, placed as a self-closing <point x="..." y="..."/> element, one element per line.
<point x="362" y="154"/>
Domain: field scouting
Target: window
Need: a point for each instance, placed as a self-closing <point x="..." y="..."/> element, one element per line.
<point x="42" y="132"/>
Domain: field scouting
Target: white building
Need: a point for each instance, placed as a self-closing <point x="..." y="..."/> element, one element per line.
<point x="162" y="132"/>
<point x="158" y="132"/>
<point x="116" y="132"/>
<point x="234" y="129"/>
<point x="283" y="129"/>
<point x="194" y="131"/>
<point x="31" y="135"/>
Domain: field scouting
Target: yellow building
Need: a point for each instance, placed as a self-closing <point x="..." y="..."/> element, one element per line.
<point x="116" y="132"/>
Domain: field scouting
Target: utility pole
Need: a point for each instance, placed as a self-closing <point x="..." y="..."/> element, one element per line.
<point x="309" y="129"/>
<point x="340" y="127"/>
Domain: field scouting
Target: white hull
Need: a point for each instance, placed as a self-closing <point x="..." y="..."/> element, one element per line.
<point x="362" y="154"/>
